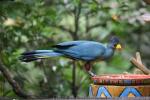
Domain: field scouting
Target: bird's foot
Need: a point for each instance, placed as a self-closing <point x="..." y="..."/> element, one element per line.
<point x="91" y="74"/>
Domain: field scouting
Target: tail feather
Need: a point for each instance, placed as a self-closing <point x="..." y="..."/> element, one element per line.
<point x="37" y="51"/>
<point x="38" y="54"/>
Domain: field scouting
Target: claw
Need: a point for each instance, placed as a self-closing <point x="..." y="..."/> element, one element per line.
<point x="91" y="74"/>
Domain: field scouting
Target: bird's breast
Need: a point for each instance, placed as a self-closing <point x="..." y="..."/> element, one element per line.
<point x="107" y="54"/>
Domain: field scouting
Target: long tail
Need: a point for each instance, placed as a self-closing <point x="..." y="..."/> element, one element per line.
<point x="38" y="54"/>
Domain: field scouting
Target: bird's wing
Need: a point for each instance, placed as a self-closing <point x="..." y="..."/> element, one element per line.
<point x="85" y="51"/>
<point x="66" y="45"/>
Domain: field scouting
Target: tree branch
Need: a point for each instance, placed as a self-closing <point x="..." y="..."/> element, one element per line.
<point x="96" y="2"/>
<point x="138" y="63"/>
<point x="96" y="25"/>
<point x="16" y="88"/>
<point x="87" y="23"/>
<point x="61" y="27"/>
<point x="77" y="12"/>
<point x="74" y="89"/>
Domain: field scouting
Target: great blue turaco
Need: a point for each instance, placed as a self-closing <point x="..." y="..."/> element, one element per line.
<point x="86" y="51"/>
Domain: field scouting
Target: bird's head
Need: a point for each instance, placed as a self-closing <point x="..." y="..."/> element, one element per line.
<point x="115" y="43"/>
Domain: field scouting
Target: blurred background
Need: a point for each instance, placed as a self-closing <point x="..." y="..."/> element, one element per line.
<point x="27" y="25"/>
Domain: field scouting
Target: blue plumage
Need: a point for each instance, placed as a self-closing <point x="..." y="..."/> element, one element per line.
<point x="82" y="50"/>
<point x="38" y="54"/>
<point x="79" y="50"/>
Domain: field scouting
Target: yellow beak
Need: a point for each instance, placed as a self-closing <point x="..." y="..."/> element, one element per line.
<point x="118" y="46"/>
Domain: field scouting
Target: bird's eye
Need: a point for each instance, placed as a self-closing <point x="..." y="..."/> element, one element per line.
<point x="115" y="45"/>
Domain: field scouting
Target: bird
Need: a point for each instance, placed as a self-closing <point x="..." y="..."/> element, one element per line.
<point x="84" y="50"/>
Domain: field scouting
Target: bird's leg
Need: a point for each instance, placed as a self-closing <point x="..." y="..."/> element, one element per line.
<point x="88" y="69"/>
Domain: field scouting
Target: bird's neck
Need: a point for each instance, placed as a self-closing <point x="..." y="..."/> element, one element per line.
<point x="110" y="45"/>
<point x="108" y="52"/>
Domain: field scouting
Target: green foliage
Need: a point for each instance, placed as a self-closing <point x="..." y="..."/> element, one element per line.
<point x="38" y="24"/>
